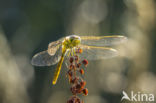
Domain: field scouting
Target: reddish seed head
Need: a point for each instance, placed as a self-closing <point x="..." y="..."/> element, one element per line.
<point x="78" y="84"/>
<point x="85" y="91"/>
<point x="73" y="90"/>
<point x="78" y="88"/>
<point x="82" y="83"/>
<point x="70" y="73"/>
<point x="81" y="71"/>
<point x="71" y="59"/>
<point x="79" y="50"/>
<point x="78" y="65"/>
<point x="85" y="62"/>
<point x="71" y="66"/>
<point x="76" y="58"/>
<point x="73" y="81"/>
<point x="77" y="100"/>
<point x="70" y="101"/>
<point x="74" y="99"/>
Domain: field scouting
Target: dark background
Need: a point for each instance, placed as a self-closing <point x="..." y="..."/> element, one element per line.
<point x="28" y="26"/>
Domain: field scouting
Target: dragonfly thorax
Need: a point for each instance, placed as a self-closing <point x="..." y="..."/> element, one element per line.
<point x="71" y="41"/>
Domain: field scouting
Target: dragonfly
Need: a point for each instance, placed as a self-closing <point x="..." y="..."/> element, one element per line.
<point x="94" y="48"/>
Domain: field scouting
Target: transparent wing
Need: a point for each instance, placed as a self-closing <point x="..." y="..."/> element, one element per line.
<point x="45" y="59"/>
<point x="53" y="47"/>
<point x="102" y="40"/>
<point x="97" y="53"/>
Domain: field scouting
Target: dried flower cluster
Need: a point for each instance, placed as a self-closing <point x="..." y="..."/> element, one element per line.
<point x="74" y="73"/>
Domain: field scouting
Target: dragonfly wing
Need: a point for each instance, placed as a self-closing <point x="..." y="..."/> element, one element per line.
<point x="97" y="53"/>
<point x="45" y="59"/>
<point x="102" y="40"/>
<point x="53" y="47"/>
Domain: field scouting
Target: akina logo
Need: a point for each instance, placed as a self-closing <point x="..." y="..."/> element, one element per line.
<point x="140" y="97"/>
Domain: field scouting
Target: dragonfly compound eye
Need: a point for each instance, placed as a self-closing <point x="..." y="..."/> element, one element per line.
<point x="74" y="39"/>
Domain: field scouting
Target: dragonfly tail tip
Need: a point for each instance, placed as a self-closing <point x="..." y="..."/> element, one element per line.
<point x="53" y="82"/>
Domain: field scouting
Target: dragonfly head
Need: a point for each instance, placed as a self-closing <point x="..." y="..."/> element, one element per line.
<point x="72" y="41"/>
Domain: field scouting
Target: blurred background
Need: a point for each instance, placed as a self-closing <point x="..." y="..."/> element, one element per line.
<point x="28" y="26"/>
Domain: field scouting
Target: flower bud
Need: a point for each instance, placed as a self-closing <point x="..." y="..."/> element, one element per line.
<point x="71" y="59"/>
<point x="81" y="71"/>
<point x="85" y="91"/>
<point x="85" y="62"/>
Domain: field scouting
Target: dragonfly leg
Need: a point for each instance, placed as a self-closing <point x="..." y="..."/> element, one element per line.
<point x="68" y="53"/>
<point x="74" y="52"/>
